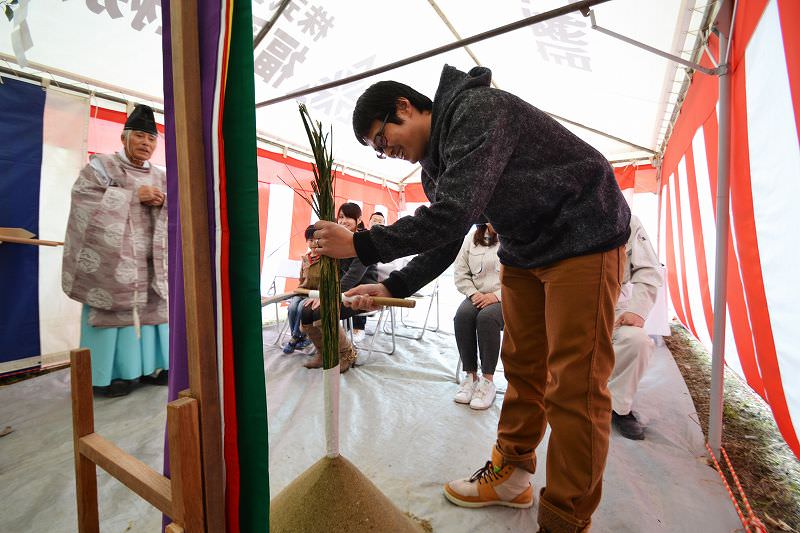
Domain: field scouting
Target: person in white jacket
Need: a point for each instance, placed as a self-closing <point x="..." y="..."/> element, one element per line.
<point x="632" y="346"/>
<point x="479" y="319"/>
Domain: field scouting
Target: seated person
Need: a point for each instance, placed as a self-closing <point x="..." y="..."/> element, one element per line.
<point x="352" y="272"/>
<point x="354" y="211"/>
<point x="632" y="346"/>
<point x="479" y="319"/>
<point x="309" y="279"/>
<point x="377" y="219"/>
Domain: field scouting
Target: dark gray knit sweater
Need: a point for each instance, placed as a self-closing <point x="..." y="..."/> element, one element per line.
<point x="494" y="157"/>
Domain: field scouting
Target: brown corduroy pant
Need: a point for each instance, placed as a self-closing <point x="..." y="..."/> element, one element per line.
<point x="559" y="319"/>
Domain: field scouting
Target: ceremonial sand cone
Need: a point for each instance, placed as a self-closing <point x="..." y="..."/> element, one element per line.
<point x="333" y="496"/>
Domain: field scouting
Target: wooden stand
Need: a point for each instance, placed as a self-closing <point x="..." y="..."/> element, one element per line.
<point x="194" y="497"/>
<point x="179" y="497"/>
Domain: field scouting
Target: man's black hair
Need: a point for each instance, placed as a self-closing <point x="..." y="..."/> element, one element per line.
<point x="377" y="213"/>
<point x="310" y="232"/>
<point x="380" y="99"/>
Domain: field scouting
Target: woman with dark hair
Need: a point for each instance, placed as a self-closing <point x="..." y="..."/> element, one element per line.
<point x="479" y="319"/>
<point x="348" y="212"/>
<point x="352" y="272"/>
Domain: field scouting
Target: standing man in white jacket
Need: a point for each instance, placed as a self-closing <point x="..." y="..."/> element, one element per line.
<point x="632" y="346"/>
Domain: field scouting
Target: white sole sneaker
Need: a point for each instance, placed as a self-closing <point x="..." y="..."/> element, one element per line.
<point x="524" y="504"/>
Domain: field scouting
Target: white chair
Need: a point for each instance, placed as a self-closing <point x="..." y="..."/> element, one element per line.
<point x="431" y="292"/>
<point x="382" y="315"/>
<point x="287" y="269"/>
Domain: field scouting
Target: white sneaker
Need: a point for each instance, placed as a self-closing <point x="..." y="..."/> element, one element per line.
<point x="465" y="390"/>
<point x="359" y="335"/>
<point x="484" y="394"/>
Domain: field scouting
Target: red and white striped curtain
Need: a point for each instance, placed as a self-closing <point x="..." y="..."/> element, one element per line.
<point x="763" y="309"/>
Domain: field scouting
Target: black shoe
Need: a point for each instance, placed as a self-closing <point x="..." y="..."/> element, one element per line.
<point x="627" y="425"/>
<point x="118" y="387"/>
<point x="161" y="379"/>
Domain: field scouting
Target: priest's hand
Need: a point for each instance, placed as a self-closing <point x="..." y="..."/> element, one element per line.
<point x="150" y="195"/>
<point x="362" y="296"/>
<point x="333" y="240"/>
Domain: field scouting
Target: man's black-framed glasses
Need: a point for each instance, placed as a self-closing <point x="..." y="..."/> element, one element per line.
<point x="379" y="142"/>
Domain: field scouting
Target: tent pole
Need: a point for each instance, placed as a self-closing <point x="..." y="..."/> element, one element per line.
<point x="723" y="228"/>
<point x="270" y="23"/>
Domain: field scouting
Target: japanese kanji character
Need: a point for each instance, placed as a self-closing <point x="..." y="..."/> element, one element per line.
<point x="145" y="13"/>
<point x="108" y="5"/>
<point x="266" y="65"/>
<point x="288" y="69"/>
<point x="317" y="22"/>
<point x="558" y="29"/>
<point x="279" y="50"/>
<point x="564" y="55"/>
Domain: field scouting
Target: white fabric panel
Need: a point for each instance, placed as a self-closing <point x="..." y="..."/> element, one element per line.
<point x="645" y="206"/>
<point x="706" y="203"/>
<point x="64" y="136"/>
<point x="695" y="301"/>
<point x="676" y="242"/>
<point x="774" y="171"/>
<point x="410" y="208"/>
<point x="628" y="195"/>
<point x="279" y="231"/>
<point x="662" y="230"/>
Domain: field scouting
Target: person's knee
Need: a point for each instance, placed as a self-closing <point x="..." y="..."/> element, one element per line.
<point x="463" y="317"/>
<point x="631" y="336"/>
<point x="488" y="321"/>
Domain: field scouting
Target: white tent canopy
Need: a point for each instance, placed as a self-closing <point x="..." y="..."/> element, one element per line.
<point x="562" y="66"/>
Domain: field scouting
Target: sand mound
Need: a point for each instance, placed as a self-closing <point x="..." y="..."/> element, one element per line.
<point x="333" y="496"/>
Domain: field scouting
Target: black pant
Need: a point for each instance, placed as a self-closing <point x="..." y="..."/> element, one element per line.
<point x="478" y="330"/>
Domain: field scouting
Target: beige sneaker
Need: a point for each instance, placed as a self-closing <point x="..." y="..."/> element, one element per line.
<point x="494" y="484"/>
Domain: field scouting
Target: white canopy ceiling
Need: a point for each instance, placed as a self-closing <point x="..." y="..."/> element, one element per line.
<point x="562" y="66"/>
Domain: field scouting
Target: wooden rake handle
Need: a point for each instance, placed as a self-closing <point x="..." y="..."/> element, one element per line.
<point x="377" y="300"/>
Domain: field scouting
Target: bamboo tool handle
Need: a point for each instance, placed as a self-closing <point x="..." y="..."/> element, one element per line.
<point x="377" y="300"/>
<point x="277" y="298"/>
<point x="18" y="240"/>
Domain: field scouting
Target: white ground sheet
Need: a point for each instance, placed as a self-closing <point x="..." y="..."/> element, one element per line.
<point x="399" y="426"/>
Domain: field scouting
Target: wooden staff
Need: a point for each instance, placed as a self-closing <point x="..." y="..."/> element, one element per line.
<point x="376" y="300"/>
<point x="39" y="242"/>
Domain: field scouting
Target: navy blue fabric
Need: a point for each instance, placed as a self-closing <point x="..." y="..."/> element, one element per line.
<point x="21" y="117"/>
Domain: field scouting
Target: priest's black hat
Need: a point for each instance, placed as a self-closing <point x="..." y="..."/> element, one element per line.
<point x="141" y="119"/>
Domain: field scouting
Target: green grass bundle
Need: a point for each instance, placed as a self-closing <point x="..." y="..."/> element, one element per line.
<point x="323" y="204"/>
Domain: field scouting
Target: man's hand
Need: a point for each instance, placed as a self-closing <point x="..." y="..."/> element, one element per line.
<point x="333" y="240"/>
<point x="629" y="319"/>
<point x="313" y="303"/>
<point x="150" y="195"/>
<point x="481" y="300"/>
<point x="363" y="296"/>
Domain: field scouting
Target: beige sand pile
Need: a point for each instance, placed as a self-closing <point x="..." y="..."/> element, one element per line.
<point x="333" y="496"/>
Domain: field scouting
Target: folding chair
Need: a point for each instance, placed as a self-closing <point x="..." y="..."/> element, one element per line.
<point x="433" y="296"/>
<point x="287" y="269"/>
<point x="382" y="314"/>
